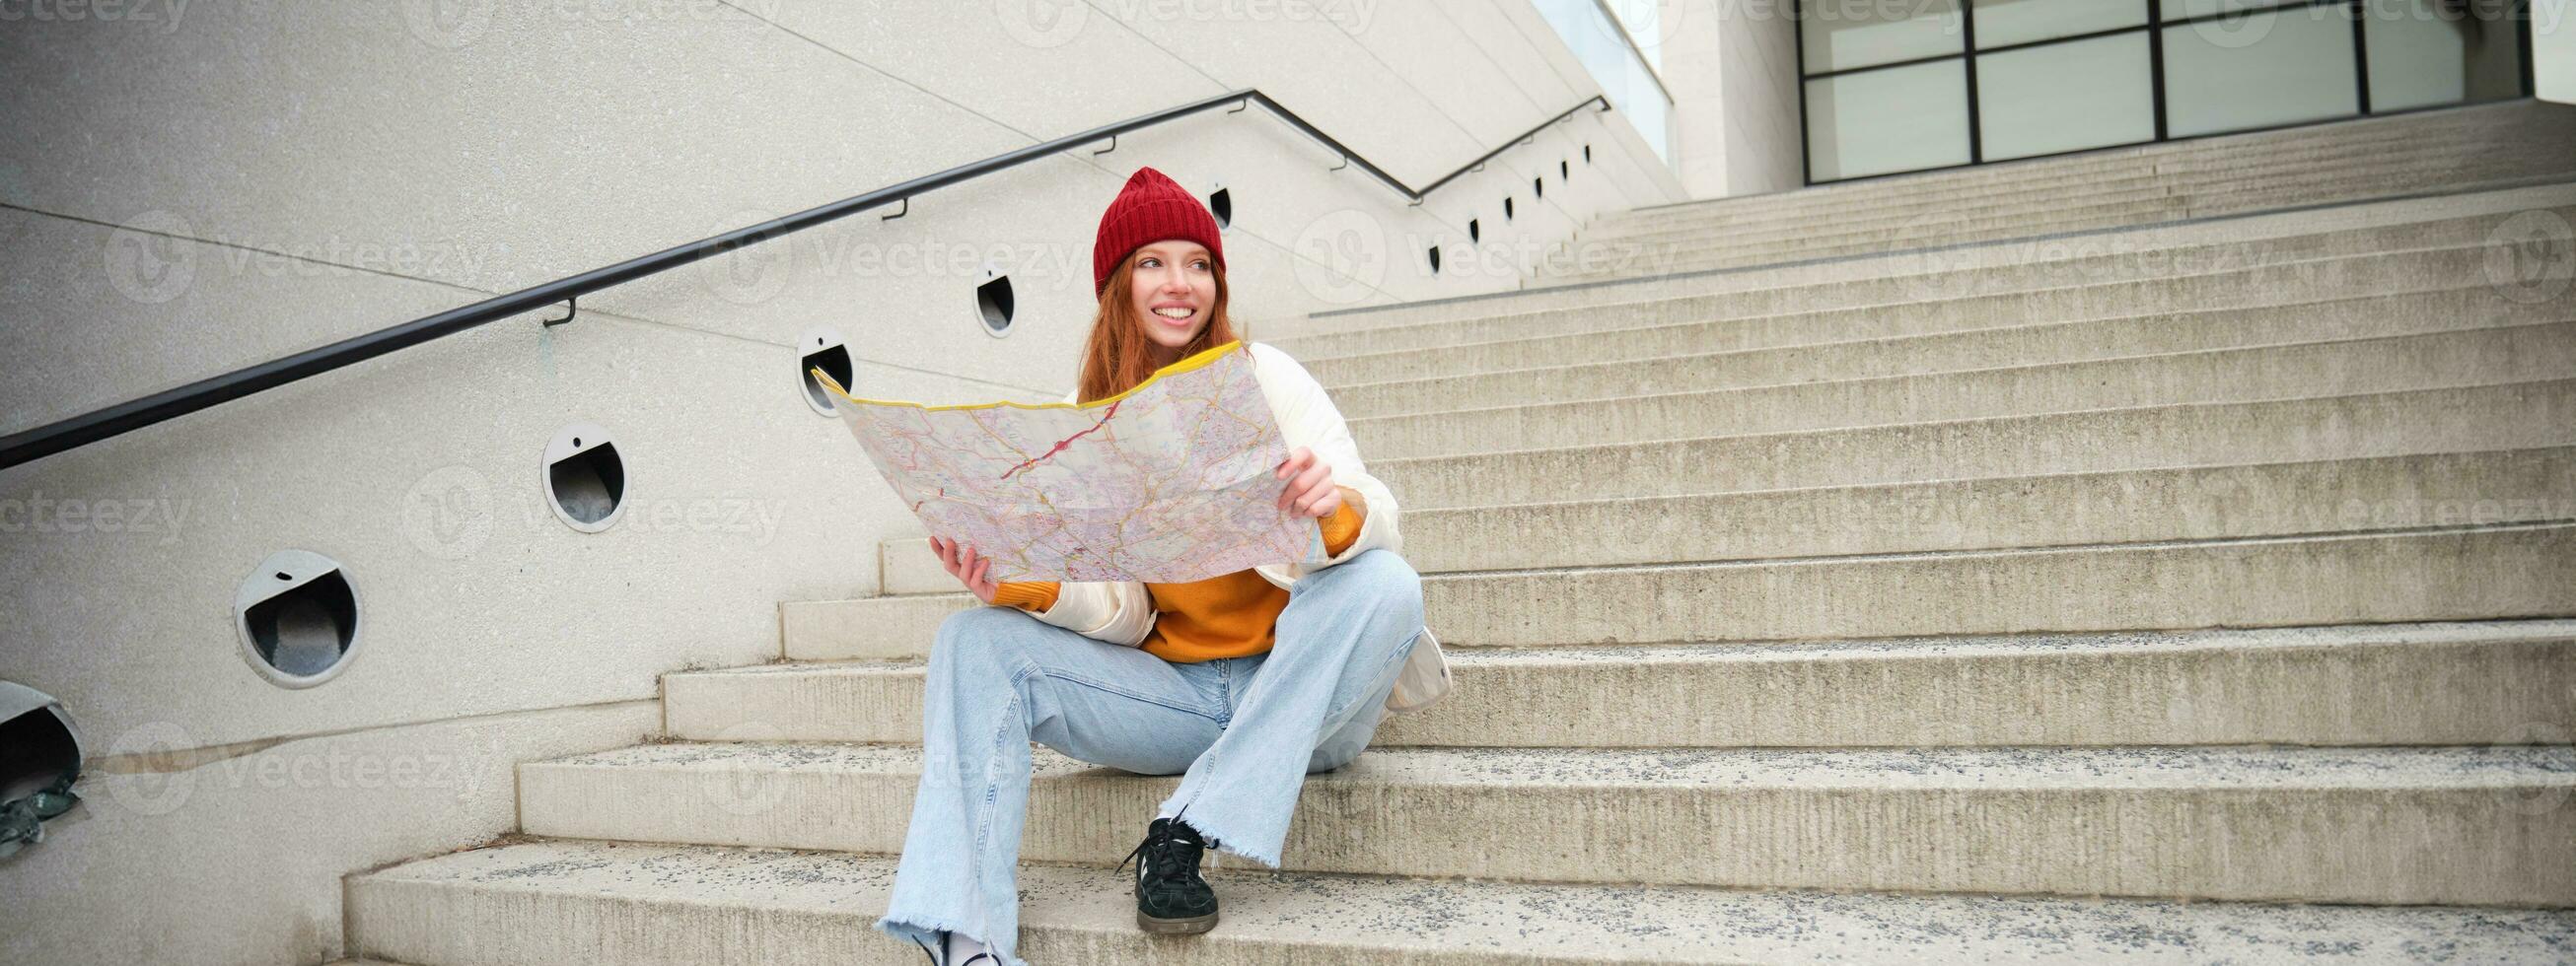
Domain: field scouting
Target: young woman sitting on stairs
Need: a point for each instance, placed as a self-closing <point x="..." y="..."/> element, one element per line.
<point x="1243" y="683"/>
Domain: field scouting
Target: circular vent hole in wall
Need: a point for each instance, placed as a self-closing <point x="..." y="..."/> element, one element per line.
<point x="993" y="303"/>
<point x="297" y="617"/>
<point x="823" y="349"/>
<point x="38" y="746"/>
<point x="585" y="478"/>
<point x="1221" y="204"/>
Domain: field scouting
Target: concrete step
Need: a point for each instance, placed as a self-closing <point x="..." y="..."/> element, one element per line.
<point x="2394" y="363"/>
<point x="2450" y="574"/>
<point x="2354" y="172"/>
<point x="1911" y="307"/>
<point x="2269" y="183"/>
<point x="2480" y="825"/>
<point x="2468" y="218"/>
<point x="2118" y="506"/>
<point x="1995" y="513"/>
<point x="571" y="901"/>
<point x="2467" y="573"/>
<point x="1789" y="222"/>
<point x="2381" y="684"/>
<point x="1782" y="360"/>
<point x="2514" y="416"/>
<point x="1788" y="213"/>
<point x="2464" y="134"/>
<point x="1724" y="250"/>
<point x="1611" y="260"/>
<point x="2039" y="215"/>
<point x="1582" y="262"/>
<point x="2135" y="199"/>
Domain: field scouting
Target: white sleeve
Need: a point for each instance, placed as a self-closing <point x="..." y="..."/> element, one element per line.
<point x="1118" y="612"/>
<point x="1308" y="418"/>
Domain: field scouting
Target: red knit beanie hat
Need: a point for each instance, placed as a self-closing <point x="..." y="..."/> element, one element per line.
<point x="1149" y="209"/>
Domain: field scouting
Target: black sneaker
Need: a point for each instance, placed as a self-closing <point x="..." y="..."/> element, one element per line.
<point x="1170" y="895"/>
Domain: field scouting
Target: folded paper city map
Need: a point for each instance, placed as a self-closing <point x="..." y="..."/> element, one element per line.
<point x="1168" y="482"/>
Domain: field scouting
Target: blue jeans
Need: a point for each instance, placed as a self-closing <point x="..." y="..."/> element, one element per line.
<point x="1244" y="732"/>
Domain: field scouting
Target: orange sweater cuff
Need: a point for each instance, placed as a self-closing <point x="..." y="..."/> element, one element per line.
<point x="1035" y="596"/>
<point x="1342" y="526"/>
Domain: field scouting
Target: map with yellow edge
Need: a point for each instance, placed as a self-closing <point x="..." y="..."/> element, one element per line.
<point x="1170" y="481"/>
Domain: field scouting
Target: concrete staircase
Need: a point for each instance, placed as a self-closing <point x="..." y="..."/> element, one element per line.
<point x="2492" y="145"/>
<point x="2203" y="594"/>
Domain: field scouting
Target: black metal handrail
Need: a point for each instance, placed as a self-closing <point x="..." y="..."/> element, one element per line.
<point x="81" y="430"/>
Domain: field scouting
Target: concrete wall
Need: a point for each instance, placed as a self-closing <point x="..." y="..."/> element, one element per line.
<point x="2553" y="51"/>
<point x="190" y="188"/>
<point x="1732" y="66"/>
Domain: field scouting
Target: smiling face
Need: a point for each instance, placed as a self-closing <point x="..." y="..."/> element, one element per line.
<point x="1174" y="287"/>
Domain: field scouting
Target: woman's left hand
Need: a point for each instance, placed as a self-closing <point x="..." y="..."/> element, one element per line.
<point x="1310" y="491"/>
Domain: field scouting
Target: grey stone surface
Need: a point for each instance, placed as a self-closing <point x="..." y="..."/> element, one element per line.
<point x="2509" y="416"/>
<point x="2100" y="254"/>
<point x="2306" y="370"/>
<point x="2384" y="684"/>
<point x="1950" y="302"/>
<point x="2440" y="573"/>
<point x="1736" y="353"/>
<point x="652" y="905"/>
<point x="2477" y="825"/>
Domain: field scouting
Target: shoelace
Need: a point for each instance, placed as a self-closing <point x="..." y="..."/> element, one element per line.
<point x="1175" y="859"/>
<point x="943" y="943"/>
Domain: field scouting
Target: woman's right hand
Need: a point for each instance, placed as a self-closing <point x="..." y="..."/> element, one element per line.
<point x="969" y="569"/>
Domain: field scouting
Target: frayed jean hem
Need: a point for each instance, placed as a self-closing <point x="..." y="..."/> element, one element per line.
<point x="923" y="932"/>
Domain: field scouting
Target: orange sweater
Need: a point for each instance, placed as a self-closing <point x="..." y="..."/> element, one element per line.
<point x="1202" y="620"/>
